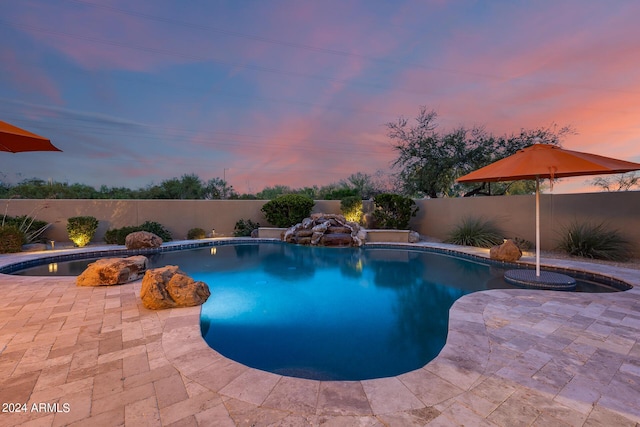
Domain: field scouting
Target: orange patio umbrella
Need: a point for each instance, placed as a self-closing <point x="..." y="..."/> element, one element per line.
<point x="545" y="161"/>
<point x="15" y="140"/>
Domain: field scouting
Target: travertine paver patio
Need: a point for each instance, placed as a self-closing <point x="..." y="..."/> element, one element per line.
<point x="513" y="357"/>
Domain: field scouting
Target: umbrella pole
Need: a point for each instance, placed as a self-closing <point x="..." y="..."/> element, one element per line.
<point x="537" y="227"/>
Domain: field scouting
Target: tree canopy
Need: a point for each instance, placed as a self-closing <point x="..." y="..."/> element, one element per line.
<point x="618" y="182"/>
<point x="191" y="187"/>
<point x="428" y="162"/>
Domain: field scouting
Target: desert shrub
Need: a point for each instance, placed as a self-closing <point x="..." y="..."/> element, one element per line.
<point x="476" y="232"/>
<point x="11" y="239"/>
<point x="523" y="244"/>
<point x="340" y="193"/>
<point x="118" y="236"/>
<point x="244" y="227"/>
<point x="591" y="240"/>
<point x="393" y="211"/>
<point x="287" y="210"/>
<point x="351" y="208"/>
<point x="196" y="233"/>
<point x="81" y="229"/>
<point x="157" y="229"/>
<point x="31" y="228"/>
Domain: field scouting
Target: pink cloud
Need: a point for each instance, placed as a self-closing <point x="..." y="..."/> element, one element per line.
<point x="532" y="77"/>
<point x="301" y="150"/>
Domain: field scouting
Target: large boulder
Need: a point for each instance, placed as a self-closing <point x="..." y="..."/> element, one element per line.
<point x="142" y="239"/>
<point x="508" y="251"/>
<point x="169" y="287"/>
<point x="113" y="271"/>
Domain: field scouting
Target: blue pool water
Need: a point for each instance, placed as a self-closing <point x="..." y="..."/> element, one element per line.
<point x="327" y="313"/>
<point x="330" y="313"/>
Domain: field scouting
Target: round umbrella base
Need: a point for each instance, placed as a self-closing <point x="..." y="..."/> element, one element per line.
<point x="546" y="280"/>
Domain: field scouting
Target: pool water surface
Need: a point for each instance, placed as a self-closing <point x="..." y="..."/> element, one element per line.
<point x="328" y="313"/>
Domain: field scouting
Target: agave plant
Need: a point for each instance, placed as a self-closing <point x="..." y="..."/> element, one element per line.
<point x="595" y="240"/>
<point x="476" y="232"/>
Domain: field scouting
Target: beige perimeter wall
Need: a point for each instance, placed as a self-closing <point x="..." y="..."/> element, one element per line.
<point x="178" y="216"/>
<point x="515" y="214"/>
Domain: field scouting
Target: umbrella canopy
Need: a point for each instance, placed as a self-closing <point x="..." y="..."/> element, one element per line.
<point x="541" y="161"/>
<point x="16" y="140"/>
<point x="548" y="161"/>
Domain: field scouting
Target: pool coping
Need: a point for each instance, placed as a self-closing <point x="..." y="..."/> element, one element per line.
<point x="491" y="333"/>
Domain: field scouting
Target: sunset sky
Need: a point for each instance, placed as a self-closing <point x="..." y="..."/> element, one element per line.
<point x="266" y="92"/>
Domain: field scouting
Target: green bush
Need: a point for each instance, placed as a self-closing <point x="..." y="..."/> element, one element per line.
<point x="196" y="233"/>
<point x="31" y="228"/>
<point x="590" y="240"/>
<point x="341" y="193"/>
<point x="476" y="232"/>
<point x="244" y="227"/>
<point x="81" y="229"/>
<point x="11" y="239"/>
<point x="351" y="208"/>
<point x="393" y="211"/>
<point x="157" y="229"/>
<point x="118" y="236"/>
<point x="287" y="210"/>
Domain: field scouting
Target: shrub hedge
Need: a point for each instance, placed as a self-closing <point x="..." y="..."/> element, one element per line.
<point x="288" y="209"/>
<point x="393" y="211"/>
<point x="118" y="235"/>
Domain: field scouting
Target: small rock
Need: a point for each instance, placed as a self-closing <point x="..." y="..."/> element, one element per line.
<point x="508" y="251"/>
<point x="414" y="237"/>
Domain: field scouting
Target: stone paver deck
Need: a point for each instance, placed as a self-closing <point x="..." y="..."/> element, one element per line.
<point x="96" y="357"/>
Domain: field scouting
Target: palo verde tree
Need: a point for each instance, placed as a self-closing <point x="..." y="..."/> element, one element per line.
<point x="428" y="162"/>
<point x="619" y="182"/>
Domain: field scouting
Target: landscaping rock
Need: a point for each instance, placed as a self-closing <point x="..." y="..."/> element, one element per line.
<point x="142" y="239"/>
<point x="113" y="271"/>
<point x="169" y="287"/>
<point x="336" y="239"/>
<point x="325" y="230"/>
<point x="508" y="251"/>
<point x="414" y="237"/>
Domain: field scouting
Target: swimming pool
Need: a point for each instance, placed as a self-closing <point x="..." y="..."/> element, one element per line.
<point x="327" y="313"/>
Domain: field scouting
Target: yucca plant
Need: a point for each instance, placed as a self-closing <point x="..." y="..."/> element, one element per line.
<point x="476" y="232"/>
<point x="29" y="226"/>
<point x="595" y="240"/>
